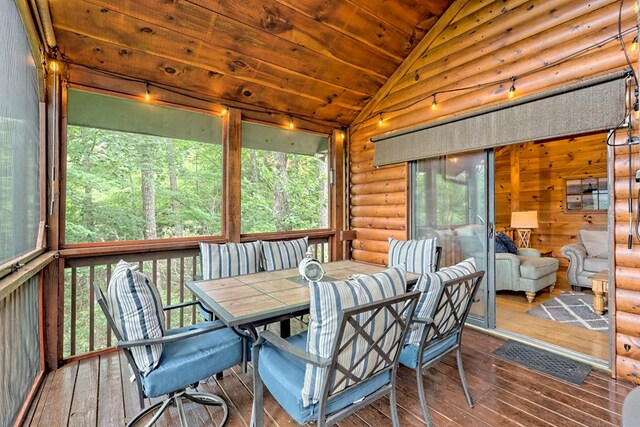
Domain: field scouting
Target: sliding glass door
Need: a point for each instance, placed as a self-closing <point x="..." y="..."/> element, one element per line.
<point x="450" y="202"/>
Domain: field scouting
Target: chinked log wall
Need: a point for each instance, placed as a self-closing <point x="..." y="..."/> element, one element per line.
<point x="475" y="42"/>
<point x="542" y="168"/>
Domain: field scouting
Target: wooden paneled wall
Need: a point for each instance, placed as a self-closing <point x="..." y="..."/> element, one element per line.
<point x="472" y="43"/>
<point x="542" y="168"/>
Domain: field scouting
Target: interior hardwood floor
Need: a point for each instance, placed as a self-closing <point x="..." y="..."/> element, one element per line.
<point x="511" y="315"/>
<point x="97" y="392"/>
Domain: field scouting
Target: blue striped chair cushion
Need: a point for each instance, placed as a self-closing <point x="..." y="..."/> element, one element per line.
<point x="327" y="302"/>
<point x="230" y="259"/>
<point x="417" y="256"/>
<point x="283" y="254"/>
<point x="136" y="307"/>
<point x="429" y="285"/>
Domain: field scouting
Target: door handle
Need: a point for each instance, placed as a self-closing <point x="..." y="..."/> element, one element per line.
<point x="490" y="230"/>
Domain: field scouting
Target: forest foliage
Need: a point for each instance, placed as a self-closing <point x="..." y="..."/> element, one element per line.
<point x="124" y="186"/>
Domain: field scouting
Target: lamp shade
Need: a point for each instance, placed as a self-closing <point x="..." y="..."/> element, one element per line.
<point x="524" y="219"/>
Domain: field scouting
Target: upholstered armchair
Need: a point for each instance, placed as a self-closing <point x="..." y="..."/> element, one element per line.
<point x="587" y="257"/>
<point x="525" y="271"/>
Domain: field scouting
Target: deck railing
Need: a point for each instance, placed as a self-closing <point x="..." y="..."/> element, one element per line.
<point x="85" y="327"/>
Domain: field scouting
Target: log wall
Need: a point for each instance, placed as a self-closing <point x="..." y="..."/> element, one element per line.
<point x="475" y="42"/>
<point x="541" y="169"/>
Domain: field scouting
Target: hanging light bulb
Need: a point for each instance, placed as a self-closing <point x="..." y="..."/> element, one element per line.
<point x="342" y="134"/>
<point x="380" y="121"/>
<point x="434" y="103"/>
<point x="54" y="65"/>
<point x="147" y="94"/>
<point x="225" y="110"/>
<point x="291" y="122"/>
<point x="512" y="89"/>
<point x="634" y="44"/>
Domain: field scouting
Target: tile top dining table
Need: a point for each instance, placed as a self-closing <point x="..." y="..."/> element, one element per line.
<point x="247" y="302"/>
<point x="266" y="297"/>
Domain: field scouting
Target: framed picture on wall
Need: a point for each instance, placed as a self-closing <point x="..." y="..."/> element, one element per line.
<point x="586" y="194"/>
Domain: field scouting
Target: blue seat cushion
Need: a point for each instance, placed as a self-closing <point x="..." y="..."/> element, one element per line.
<point x="409" y="353"/>
<point x="283" y="375"/>
<point x="187" y="361"/>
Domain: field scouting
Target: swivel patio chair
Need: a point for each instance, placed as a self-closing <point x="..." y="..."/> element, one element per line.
<point x="347" y="359"/>
<point x="188" y="355"/>
<point x="448" y="295"/>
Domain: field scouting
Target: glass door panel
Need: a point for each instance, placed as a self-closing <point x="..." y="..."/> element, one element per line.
<point x="449" y="202"/>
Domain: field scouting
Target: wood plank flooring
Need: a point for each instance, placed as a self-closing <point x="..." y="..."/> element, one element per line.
<point x="511" y="315"/>
<point x="97" y="392"/>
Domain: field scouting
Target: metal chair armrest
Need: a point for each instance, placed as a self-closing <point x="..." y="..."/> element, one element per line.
<point x="284" y="345"/>
<point x="423" y="320"/>
<point x="187" y="304"/>
<point x="171" y="338"/>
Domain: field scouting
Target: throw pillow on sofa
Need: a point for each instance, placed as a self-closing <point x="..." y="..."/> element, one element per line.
<point x="508" y="244"/>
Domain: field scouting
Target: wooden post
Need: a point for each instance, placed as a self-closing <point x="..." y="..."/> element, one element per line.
<point x="337" y="191"/>
<point x="232" y="153"/>
<point x="51" y="302"/>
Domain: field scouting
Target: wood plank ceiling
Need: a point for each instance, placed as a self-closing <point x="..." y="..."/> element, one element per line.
<point x="318" y="59"/>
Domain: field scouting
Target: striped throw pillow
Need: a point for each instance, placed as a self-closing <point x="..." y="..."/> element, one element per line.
<point x="417" y="256"/>
<point x="230" y="259"/>
<point x="327" y="301"/>
<point x="136" y="307"/>
<point x="283" y="254"/>
<point x="429" y="285"/>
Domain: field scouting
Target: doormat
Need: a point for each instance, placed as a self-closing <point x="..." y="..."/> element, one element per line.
<point x="572" y="308"/>
<point x="543" y="361"/>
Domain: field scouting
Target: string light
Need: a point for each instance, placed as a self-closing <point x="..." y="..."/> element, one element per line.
<point x="434" y="103"/>
<point x="380" y="121"/>
<point x="147" y="94"/>
<point x="225" y="110"/>
<point x="634" y="44"/>
<point x="512" y="89"/>
<point x="291" y="122"/>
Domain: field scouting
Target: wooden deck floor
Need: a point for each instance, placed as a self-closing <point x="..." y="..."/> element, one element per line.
<point x="96" y="392"/>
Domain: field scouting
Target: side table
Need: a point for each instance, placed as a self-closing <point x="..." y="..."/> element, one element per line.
<point x="600" y="288"/>
<point x="545" y="252"/>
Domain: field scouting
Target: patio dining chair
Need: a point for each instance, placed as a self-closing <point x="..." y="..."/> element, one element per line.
<point x="169" y="362"/>
<point x="437" y="326"/>
<point x="347" y="358"/>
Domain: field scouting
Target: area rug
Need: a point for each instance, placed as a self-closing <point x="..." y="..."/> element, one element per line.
<point x="544" y="361"/>
<point x="572" y="308"/>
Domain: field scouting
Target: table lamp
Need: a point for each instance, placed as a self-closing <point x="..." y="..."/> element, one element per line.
<point x="523" y="222"/>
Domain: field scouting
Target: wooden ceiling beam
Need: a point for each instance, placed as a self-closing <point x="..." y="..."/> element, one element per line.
<point x="289" y="25"/>
<point x="144" y="66"/>
<point x="176" y="57"/>
<point x="410" y="16"/>
<point x="219" y="33"/>
<point x="358" y="23"/>
<point x="151" y="36"/>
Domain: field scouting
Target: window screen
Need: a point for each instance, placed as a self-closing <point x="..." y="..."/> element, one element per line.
<point x="19" y="139"/>
<point x="284" y="180"/>
<point x="140" y="171"/>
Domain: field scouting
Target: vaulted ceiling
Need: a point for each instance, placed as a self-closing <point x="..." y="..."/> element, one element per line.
<point x="321" y="59"/>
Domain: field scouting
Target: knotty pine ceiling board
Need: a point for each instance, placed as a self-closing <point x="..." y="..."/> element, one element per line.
<point x="320" y="59"/>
